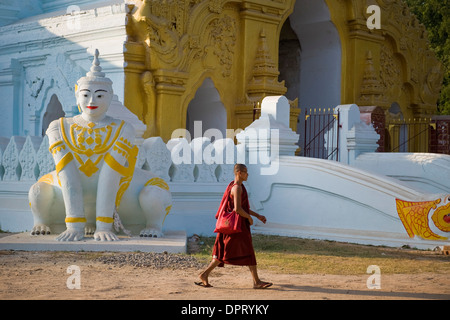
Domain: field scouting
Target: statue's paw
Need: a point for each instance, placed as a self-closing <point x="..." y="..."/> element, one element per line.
<point x="71" y="235"/>
<point x="151" y="232"/>
<point x="105" y="236"/>
<point x="89" y="230"/>
<point x="40" y="229"/>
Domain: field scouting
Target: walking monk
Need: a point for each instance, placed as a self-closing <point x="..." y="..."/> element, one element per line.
<point x="236" y="248"/>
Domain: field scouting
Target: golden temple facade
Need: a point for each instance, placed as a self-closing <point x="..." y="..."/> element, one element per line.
<point x="215" y="60"/>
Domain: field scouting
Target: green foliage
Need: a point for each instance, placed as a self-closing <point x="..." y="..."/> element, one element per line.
<point x="435" y="16"/>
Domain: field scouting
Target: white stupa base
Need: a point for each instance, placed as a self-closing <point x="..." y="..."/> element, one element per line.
<point x="172" y="242"/>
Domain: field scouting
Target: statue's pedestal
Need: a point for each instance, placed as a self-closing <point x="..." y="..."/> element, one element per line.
<point x="173" y="242"/>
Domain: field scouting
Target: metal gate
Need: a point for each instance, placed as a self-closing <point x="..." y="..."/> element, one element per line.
<point x="411" y="135"/>
<point x="321" y="134"/>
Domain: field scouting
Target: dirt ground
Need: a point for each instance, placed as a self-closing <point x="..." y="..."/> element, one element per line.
<point x="43" y="275"/>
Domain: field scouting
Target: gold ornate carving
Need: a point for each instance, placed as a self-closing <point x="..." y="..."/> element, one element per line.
<point x="173" y="45"/>
<point x="390" y="72"/>
<point x="371" y="93"/>
<point x="406" y="59"/>
<point x="222" y="37"/>
<point x="265" y="73"/>
<point x="406" y="67"/>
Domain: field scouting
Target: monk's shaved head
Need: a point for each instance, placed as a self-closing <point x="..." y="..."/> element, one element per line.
<point x="239" y="167"/>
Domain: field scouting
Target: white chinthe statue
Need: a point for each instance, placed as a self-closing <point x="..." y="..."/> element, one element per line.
<point x="95" y="181"/>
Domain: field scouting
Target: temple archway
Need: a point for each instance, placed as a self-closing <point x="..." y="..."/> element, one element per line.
<point x="207" y="108"/>
<point x="320" y="62"/>
<point x="290" y="60"/>
<point x="54" y="111"/>
<point x="310" y="58"/>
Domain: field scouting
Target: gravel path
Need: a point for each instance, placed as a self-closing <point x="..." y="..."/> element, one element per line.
<point x="152" y="260"/>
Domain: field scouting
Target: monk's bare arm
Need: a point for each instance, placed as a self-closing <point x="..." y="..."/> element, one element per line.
<point x="236" y="192"/>
<point x="258" y="216"/>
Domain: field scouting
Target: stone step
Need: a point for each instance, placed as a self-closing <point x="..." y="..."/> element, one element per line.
<point x="172" y="242"/>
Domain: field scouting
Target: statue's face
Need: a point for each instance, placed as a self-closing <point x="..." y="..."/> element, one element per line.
<point x="94" y="98"/>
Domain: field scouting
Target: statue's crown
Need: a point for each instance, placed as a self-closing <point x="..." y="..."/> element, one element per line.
<point x="95" y="74"/>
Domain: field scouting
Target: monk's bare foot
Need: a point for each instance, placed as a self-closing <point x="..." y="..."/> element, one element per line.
<point x="204" y="281"/>
<point x="262" y="285"/>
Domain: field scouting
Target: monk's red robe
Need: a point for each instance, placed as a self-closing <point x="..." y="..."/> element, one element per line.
<point x="236" y="248"/>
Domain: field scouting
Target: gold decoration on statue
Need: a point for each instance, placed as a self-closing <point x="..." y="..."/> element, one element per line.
<point x="81" y="145"/>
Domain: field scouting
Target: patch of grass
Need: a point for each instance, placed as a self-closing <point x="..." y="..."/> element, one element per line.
<point x="305" y="256"/>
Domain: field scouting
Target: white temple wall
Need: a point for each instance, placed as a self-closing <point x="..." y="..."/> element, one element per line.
<point x="303" y="197"/>
<point x="424" y="171"/>
<point x="54" y="51"/>
<point x="333" y="201"/>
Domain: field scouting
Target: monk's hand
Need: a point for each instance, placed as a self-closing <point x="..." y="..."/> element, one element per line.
<point x="250" y="219"/>
<point x="262" y="218"/>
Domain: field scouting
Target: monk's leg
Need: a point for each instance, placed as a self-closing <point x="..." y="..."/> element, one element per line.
<point x="205" y="274"/>
<point x="255" y="277"/>
<point x="257" y="283"/>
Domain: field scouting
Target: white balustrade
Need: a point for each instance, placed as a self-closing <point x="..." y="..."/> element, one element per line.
<point x="28" y="159"/>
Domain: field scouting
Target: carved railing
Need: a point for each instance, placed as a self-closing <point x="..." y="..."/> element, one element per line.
<point x="28" y="159"/>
